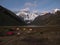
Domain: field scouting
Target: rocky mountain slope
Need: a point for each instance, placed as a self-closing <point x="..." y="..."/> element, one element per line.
<point x="8" y="18"/>
<point x="47" y="19"/>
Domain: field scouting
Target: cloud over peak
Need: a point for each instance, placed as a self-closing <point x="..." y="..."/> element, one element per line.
<point x="25" y="9"/>
<point x="29" y="4"/>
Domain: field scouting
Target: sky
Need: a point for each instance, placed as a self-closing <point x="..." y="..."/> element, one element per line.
<point x="39" y="5"/>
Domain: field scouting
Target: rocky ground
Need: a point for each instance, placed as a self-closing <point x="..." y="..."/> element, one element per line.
<point x="32" y="36"/>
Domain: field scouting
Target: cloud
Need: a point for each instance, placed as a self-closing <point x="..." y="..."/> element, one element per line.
<point x="25" y="9"/>
<point x="36" y="10"/>
<point x="29" y="4"/>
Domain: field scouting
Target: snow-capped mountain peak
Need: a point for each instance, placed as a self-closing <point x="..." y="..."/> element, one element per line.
<point x="27" y="15"/>
<point x="56" y="9"/>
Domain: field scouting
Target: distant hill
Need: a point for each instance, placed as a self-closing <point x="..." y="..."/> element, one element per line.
<point x="8" y="18"/>
<point x="47" y="19"/>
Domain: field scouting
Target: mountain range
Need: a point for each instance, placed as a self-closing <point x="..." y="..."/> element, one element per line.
<point x="37" y="18"/>
<point x="25" y="17"/>
<point x="47" y="19"/>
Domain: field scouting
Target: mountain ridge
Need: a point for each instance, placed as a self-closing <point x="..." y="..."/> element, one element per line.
<point x="47" y="19"/>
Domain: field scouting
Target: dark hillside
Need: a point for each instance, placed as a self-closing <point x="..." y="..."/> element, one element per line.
<point x="47" y="19"/>
<point x="8" y="18"/>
